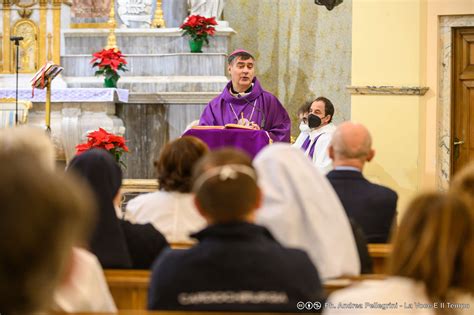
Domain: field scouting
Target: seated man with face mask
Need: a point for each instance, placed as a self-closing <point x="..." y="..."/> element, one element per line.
<point x="319" y="137"/>
<point x="303" y="113"/>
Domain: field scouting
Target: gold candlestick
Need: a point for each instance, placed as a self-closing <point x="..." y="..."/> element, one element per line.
<point x="112" y="40"/>
<point x="158" y="20"/>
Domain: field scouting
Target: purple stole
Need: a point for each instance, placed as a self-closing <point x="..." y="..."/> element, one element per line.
<point x="306" y="144"/>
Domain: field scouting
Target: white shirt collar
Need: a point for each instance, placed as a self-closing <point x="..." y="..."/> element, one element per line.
<point x="347" y="168"/>
<point x="329" y="128"/>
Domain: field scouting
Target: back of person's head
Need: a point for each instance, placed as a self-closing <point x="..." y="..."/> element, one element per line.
<point x="239" y="54"/>
<point x="43" y="215"/>
<point x="225" y="185"/>
<point x="351" y="141"/>
<point x="104" y="177"/>
<point x="328" y="106"/>
<point x="101" y="171"/>
<point x="435" y="245"/>
<point x="176" y="161"/>
<point x="463" y="183"/>
<point x="19" y="141"/>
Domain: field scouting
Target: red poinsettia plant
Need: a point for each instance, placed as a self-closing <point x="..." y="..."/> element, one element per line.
<point x="109" y="61"/>
<point x="199" y="27"/>
<point x="104" y="140"/>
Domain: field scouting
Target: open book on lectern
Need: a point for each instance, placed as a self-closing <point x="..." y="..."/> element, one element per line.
<point x="47" y="72"/>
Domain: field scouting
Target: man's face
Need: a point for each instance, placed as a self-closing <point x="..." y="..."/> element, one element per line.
<point x="303" y="117"/>
<point x="241" y="73"/>
<point x="318" y="109"/>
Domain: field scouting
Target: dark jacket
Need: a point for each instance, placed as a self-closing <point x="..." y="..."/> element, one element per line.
<point x="235" y="267"/>
<point x="372" y="206"/>
<point x="144" y="243"/>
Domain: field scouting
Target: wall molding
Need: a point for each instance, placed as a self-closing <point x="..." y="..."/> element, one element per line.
<point x="172" y="98"/>
<point x="387" y="90"/>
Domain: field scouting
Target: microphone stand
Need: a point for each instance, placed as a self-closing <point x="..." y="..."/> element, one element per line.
<point x="16" y="39"/>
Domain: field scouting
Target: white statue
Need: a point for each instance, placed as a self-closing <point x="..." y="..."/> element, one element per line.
<point x="135" y="13"/>
<point x="207" y="8"/>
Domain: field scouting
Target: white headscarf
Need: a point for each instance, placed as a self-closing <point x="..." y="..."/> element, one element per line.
<point x="302" y="210"/>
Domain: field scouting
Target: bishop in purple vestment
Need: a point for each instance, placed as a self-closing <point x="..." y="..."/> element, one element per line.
<point x="243" y="101"/>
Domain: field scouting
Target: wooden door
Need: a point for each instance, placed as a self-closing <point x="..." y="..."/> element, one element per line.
<point x="462" y="141"/>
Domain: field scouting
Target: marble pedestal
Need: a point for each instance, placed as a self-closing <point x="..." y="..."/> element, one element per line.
<point x="159" y="60"/>
<point x="151" y="121"/>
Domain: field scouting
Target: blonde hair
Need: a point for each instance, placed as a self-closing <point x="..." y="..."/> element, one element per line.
<point x="435" y="245"/>
<point x="44" y="214"/>
<point x="19" y="141"/>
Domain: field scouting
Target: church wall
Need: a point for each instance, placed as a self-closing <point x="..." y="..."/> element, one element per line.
<point x="387" y="51"/>
<point x="399" y="43"/>
<point x="302" y="50"/>
<point x="432" y="175"/>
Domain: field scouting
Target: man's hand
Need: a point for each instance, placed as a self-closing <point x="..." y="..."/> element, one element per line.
<point x="254" y="126"/>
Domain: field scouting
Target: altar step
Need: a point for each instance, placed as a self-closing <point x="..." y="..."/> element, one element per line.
<point x="155" y="84"/>
<point x="140" y="41"/>
<point x="177" y="64"/>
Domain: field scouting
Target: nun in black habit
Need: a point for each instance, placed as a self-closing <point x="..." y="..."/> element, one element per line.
<point x="117" y="243"/>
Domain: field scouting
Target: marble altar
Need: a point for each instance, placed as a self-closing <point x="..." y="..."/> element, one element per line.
<point x="74" y="113"/>
<point x="168" y="87"/>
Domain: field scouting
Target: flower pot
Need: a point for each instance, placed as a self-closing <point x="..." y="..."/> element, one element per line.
<point x="110" y="82"/>
<point x="196" y="45"/>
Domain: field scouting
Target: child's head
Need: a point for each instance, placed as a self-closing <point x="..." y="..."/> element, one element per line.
<point x="225" y="187"/>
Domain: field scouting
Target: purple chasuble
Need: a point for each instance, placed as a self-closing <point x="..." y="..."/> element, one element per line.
<point x="268" y="111"/>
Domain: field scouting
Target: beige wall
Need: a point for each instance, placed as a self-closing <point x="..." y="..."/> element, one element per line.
<point x="386" y="50"/>
<point x="396" y="42"/>
<point x="429" y="141"/>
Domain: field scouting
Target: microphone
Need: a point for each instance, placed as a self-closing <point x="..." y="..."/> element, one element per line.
<point x="16" y="38"/>
<point x="262" y="124"/>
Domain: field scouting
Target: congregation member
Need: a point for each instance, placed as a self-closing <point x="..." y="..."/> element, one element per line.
<point x="463" y="183"/>
<point x="243" y="101"/>
<point x="316" y="144"/>
<point x="431" y="266"/>
<point x="301" y="209"/>
<point x="303" y="113"/>
<point x="237" y="265"/>
<point x="371" y="206"/>
<point x="85" y="289"/>
<point x="44" y="214"/>
<point x="118" y="244"/>
<point x="171" y="209"/>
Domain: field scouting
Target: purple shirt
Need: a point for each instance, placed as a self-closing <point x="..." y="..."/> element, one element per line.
<point x="258" y="106"/>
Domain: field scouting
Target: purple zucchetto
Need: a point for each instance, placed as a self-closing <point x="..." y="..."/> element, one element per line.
<point x="238" y="51"/>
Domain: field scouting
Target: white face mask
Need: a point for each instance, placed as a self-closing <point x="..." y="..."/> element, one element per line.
<point x="304" y="127"/>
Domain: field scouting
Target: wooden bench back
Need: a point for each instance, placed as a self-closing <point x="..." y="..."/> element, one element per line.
<point x="380" y="254"/>
<point x="129" y="288"/>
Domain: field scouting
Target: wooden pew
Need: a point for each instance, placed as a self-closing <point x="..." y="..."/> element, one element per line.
<point x="128" y="287"/>
<point x="380" y="254"/>
<point x="182" y="245"/>
<point x="335" y="284"/>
